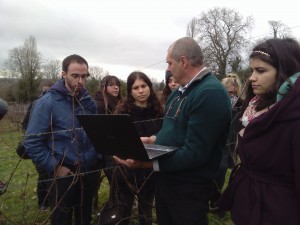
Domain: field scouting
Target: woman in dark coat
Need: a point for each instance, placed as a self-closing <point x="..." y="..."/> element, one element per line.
<point x="265" y="188"/>
<point x="146" y="112"/>
<point x="108" y="97"/>
<point x="233" y="86"/>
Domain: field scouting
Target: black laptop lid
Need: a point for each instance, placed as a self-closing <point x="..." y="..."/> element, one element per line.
<point x="113" y="134"/>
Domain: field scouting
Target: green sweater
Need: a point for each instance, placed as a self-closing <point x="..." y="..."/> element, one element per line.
<point x="198" y="122"/>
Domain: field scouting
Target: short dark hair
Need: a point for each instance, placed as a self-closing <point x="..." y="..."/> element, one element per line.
<point x="73" y="58"/>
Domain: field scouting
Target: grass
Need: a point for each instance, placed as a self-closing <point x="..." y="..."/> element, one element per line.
<point x="19" y="204"/>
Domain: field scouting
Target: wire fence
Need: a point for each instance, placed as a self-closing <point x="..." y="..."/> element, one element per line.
<point x="19" y="177"/>
<point x="18" y="200"/>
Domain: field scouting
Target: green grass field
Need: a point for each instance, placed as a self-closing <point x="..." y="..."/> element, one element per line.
<point x="18" y="205"/>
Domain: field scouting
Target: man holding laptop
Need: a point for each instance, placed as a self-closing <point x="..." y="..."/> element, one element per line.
<point x="197" y="120"/>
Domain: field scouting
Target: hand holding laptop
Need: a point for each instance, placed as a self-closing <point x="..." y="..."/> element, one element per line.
<point x="131" y="163"/>
<point x="148" y="140"/>
<point x="115" y="134"/>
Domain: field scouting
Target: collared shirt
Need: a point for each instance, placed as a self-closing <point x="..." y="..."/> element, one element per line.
<point x="183" y="88"/>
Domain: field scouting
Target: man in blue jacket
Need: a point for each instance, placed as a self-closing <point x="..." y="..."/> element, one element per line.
<point x="197" y="120"/>
<point x="56" y="142"/>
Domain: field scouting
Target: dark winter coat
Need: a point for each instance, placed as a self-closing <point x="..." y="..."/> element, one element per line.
<point x="265" y="189"/>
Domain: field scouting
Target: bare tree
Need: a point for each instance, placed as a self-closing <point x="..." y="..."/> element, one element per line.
<point x="222" y="35"/>
<point x="191" y="30"/>
<point x="97" y="72"/>
<point x="279" y="29"/>
<point x="6" y="73"/>
<point x="26" y="62"/>
<point x="52" y="69"/>
<point x="96" y="75"/>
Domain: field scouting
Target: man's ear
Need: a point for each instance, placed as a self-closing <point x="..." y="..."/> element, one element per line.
<point x="184" y="61"/>
<point x="63" y="74"/>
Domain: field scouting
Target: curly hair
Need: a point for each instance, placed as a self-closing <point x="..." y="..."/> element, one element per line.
<point x="234" y="80"/>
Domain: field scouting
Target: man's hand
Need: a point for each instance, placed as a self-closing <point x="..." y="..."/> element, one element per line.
<point x="131" y="163"/>
<point x="63" y="171"/>
<point x="148" y="140"/>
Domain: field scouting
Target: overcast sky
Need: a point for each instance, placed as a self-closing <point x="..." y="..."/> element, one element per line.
<point x="122" y="35"/>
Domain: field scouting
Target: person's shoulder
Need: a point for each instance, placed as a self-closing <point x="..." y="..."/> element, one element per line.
<point x="46" y="97"/>
<point x="42" y="103"/>
<point x="122" y="108"/>
<point x="98" y="96"/>
<point x="213" y="88"/>
<point x="210" y="82"/>
<point x="52" y="93"/>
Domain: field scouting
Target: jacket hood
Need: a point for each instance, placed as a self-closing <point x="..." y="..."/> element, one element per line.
<point x="60" y="87"/>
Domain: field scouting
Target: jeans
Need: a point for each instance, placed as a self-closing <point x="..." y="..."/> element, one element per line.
<point x="42" y="187"/>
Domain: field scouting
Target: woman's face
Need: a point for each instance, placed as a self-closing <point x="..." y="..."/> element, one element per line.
<point x="113" y="89"/>
<point x="231" y="89"/>
<point x="263" y="76"/>
<point x="140" y="91"/>
<point x="172" y="84"/>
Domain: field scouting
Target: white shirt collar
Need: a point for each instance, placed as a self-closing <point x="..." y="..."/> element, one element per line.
<point x="183" y="88"/>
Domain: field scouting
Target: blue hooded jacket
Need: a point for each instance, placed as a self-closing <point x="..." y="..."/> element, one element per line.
<point x="54" y="135"/>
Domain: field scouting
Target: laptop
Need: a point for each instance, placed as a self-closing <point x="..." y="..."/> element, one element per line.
<point x="115" y="134"/>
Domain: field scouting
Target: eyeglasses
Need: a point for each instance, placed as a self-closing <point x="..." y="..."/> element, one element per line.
<point x="167" y="115"/>
<point x="77" y="76"/>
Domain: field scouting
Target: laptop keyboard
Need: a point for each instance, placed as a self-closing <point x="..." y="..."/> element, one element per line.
<point x="154" y="150"/>
<point x="152" y="153"/>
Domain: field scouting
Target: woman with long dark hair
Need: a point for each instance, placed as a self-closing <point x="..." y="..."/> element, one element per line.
<point x="146" y="112"/>
<point x="265" y="188"/>
<point x="108" y="97"/>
